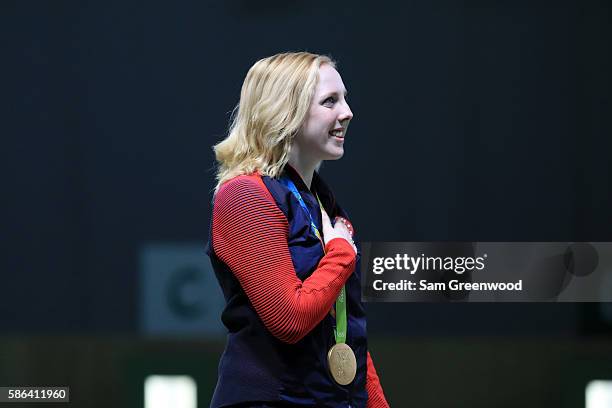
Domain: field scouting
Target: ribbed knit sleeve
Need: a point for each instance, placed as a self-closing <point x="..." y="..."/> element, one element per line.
<point x="376" y="397"/>
<point x="249" y="234"/>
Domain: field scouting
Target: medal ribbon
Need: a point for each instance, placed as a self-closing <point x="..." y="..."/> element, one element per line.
<point x="341" y="319"/>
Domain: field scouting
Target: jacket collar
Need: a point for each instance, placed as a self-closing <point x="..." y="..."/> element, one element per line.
<point x="318" y="187"/>
<point x="297" y="179"/>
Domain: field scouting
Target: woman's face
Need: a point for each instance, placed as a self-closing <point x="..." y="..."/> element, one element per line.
<point x="322" y="134"/>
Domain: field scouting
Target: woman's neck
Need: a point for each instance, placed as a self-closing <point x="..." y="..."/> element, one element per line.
<point x="305" y="168"/>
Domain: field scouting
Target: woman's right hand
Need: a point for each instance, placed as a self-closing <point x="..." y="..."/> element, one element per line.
<point x="338" y="231"/>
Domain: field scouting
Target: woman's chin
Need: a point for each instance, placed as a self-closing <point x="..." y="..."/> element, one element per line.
<point x="334" y="154"/>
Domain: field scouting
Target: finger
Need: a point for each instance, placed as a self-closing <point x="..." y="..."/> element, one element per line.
<point x="340" y="226"/>
<point x="345" y="222"/>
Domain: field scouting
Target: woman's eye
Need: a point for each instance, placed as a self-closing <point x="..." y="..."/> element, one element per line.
<point x="329" y="101"/>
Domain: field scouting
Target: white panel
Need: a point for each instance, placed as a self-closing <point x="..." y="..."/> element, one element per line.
<point x="599" y="394"/>
<point x="170" y="391"/>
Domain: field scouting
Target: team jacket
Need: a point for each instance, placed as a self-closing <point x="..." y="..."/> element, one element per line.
<point x="280" y="286"/>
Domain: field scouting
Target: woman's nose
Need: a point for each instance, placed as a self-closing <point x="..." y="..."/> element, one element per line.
<point x="346" y="114"/>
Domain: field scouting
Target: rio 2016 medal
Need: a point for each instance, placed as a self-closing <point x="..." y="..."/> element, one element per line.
<point x="342" y="363"/>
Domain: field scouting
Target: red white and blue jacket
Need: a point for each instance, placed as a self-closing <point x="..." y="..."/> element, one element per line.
<point x="280" y="286"/>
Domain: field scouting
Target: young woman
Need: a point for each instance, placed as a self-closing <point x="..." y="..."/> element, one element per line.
<point x="290" y="276"/>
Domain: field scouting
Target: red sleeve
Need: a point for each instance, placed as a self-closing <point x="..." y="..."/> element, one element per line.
<point x="249" y="234"/>
<point x="376" y="397"/>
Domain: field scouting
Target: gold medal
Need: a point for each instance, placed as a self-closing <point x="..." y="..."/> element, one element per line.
<point x="342" y="363"/>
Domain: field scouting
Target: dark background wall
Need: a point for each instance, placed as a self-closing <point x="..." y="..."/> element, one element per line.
<point x="473" y="120"/>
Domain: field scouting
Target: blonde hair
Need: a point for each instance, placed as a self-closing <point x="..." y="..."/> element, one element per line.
<point x="274" y="102"/>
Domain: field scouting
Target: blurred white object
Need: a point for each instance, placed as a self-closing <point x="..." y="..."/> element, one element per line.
<point x="170" y="391"/>
<point x="599" y="394"/>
